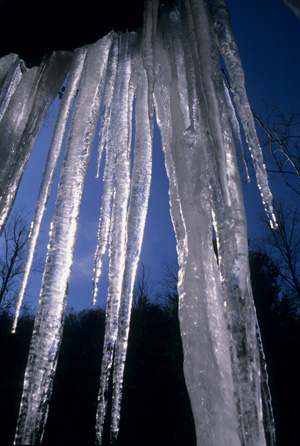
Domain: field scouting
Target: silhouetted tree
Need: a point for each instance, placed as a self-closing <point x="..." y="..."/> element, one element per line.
<point x="13" y="244"/>
<point x="279" y="325"/>
<point x="283" y="244"/>
<point x="282" y="144"/>
<point x="13" y="357"/>
<point x="156" y="408"/>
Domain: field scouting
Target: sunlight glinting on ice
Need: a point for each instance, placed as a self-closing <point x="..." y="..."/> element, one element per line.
<point x="172" y="65"/>
<point x="50" y="169"/>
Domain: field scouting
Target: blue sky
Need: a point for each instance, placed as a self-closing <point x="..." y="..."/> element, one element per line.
<point x="268" y="36"/>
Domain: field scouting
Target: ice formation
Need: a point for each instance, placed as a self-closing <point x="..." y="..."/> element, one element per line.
<point x="172" y="65"/>
<point x="294" y="5"/>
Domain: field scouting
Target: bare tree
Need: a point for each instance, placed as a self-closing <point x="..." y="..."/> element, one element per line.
<point x="283" y="244"/>
<point x="13" y="244"/>
<point x="283" y="143"/>
<point x="282" y="138"/>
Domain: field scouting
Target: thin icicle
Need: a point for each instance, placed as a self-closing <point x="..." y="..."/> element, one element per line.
<point x="109" y="169"/>
<point x="50" y="169"/>
<point x="12" y="127"/>
<point x="236" y="128"/>
<point x="107" y="100"/>
<point x="48" y="326"/>
<point x="105" y="218"/>
<point x="229" y="52"/>
<point x="11" y="70"/>
<point x="22" y="121"/>
<point x="120" y="141"/>
<point x="147" y="46"/>
<point x="108" y="177"/>
<point x="139" y="198"/>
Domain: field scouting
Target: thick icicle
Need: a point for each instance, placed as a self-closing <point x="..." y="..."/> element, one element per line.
<point x="48" y="326"/>
<point x="50" y="169"/>
<point x="198" y="16"/>
<point x="139" y="198"/>
<point x="22" y="121"/>
<point x="229" y="52"/>
<point x="207" y="363"/>
<point x="120" y="142"/>
<point x="231" y="231"/>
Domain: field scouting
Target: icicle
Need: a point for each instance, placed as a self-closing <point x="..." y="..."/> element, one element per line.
<point x="50" y="169"/>
<point x="119" y="142"/>
<point x="22" y="121"/>
<point x="108" y="178"/>
<point x="204" y="48"/>
<point x="294" y="5"/>
<point x="238" y="303"/>
<point x="12" y="126"/>
<point x="229" y="52"/>
<point x="148" y="34"/>
<point x="207" y="367"/>
<point x="236" y="128"/>
<point x="108" y="96"/>
<point x="105" y="219"/>
<point x="175" y="64"/>
<point x="48" y="326"/>
<point x="11" y="69"/>
<point x="140" y="189"/>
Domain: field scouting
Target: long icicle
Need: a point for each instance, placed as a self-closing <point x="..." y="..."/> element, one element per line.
<point x="48" y="327"/>
<point x="239" y="307"/>
<point x="207" y="364"/>
<point x="229" y="52"/>
<point x="50" y="169"/>
<point x="107" y="100"/>
<point x="120" y="138"/>
<point x="108" y="177"/>
<point x="11" y="70"/>
<point x="19" y="140"/>
<point x="139" y="198"/>
<point x="236" y="129"/>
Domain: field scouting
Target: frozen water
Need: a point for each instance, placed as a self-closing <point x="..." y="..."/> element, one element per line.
<point x="294" y="5"/>
<point x="47" y="331"/>
<point x="50" y="169"/>
<point x="173" y="65"/>
<point x="119" y="144"/>
<point x="22" y="121"/>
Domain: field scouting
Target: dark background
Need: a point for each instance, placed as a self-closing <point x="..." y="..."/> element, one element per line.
<point x="34" y="28"/>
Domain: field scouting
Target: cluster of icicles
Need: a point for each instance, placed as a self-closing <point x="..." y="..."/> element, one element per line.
<point x="171" y="65"/>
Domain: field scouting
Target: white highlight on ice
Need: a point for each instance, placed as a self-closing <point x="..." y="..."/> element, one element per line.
<point x="173" y="63"/>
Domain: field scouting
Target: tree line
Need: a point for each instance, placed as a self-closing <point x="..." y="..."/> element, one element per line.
<point x="156" y="408"/>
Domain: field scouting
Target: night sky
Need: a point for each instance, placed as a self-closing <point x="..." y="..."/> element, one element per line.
<point x="268" y="36"/>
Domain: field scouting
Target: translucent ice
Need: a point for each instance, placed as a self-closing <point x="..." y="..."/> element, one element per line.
<point x="47" y="331"/>
<point x="173" y="64"/>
